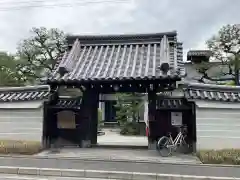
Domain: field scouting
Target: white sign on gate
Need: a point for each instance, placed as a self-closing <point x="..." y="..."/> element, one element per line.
<point x="176" y="118"/>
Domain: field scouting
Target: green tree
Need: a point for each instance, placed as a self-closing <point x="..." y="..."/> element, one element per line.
<point x="9" y="75"/>
<point x="225" y="46"/>
<point x="127" y="114"/>
<point x="40" y="52"/>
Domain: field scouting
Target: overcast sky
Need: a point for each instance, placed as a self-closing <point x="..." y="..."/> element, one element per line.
<point x="194" y="20"/>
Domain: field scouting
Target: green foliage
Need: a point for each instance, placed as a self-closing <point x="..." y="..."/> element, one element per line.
<point x="130" y="128"/>
<point x="36" y="57"/>
<point x="225" y="156"/>
<point x="127" y="114"/>
<point x="225" y="46"/>
<point x="231" y="83"/>
<point x="9" y="75"/>
<point x="100" y="121"/>
<point x="39" y="53"/>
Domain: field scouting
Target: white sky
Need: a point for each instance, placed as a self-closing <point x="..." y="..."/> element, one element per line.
<point x="194" y="20"/>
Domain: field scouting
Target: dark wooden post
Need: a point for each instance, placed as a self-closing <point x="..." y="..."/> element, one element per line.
<point x="89" y="117"/>
<point x="85" y="121"/>
<point x="151" y="119"/>
<point x="44" y="127"/>
<point x="94" y="117"/>
<point x="194" y="130"/>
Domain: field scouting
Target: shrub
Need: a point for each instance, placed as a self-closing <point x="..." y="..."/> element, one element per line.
<point x="100" y="121"/>
<point x="127" y="114"/>
<point x="19" y="147"/>
<point x="130" y="128"/>
<point x="225" y="156"/>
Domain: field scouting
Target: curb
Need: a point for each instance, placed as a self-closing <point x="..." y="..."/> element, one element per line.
<point x="102" y="174"/>
<point x="119" y="147"/>
<point x="116" y="160"/>
<point x="110" y="159"/>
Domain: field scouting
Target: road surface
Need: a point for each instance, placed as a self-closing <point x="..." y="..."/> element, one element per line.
<point x="196" y="170"/>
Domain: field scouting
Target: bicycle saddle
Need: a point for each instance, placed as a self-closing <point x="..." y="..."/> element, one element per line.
<point x="183" y="129"/>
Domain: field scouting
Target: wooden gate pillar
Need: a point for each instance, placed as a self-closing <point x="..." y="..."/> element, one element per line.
<point x="89" y="108"/>
<point x="94" y="117"/>
<point x="151" y="119"/>
<point x="45" y="131"/>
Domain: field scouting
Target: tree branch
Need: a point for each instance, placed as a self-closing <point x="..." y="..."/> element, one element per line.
<point x="42" y="42"/>
<point x="205" y="76"/>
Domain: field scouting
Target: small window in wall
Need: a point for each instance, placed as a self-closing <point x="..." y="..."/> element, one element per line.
<point x="66" y="120"/>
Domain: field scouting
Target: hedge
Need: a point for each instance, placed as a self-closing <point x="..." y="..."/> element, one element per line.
<point x="225" y="156"/>
<point x="19" y="147"/>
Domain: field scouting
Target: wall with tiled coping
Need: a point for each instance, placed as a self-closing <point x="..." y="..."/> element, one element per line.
<point x="217" y="125"/>
<point x="21" y="122"/>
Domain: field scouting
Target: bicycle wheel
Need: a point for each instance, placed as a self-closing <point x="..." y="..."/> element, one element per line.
<point x="162" y="146"/>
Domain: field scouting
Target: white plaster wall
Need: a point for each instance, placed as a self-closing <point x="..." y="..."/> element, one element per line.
<point x="218" y="127"/>
<point x="21" y="123"/>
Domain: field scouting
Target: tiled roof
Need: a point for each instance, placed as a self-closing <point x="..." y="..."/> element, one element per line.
<point x="10" y="94"/>
<point x="207" y="53"/>
<point x="122" y="38"/>
<point x="69" y="103"/>
<point x="167" y="103"/>
<point x="212" y="92"/>
<point x="120" y="57"/>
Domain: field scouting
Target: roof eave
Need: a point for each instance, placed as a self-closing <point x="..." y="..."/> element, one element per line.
<point x="99" y="81"/>
<point x="119" y="37"/>
<point x="25" y="88"/>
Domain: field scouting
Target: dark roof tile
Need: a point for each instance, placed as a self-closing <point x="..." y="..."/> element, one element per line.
<point x="127" y="59"/>
<point x="212" y="92"/>
<point x="207" y="53"/>
<point x="166" y="103"/>
<point x="121" y="38"/>
<point x="26" y="93"/>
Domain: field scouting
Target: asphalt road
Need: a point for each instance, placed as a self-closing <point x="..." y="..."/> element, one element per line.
<point x="196" y="170"/>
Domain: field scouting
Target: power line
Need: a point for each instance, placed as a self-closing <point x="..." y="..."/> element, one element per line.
<point x="26" y="5"/>
<point x="40" y="1"/>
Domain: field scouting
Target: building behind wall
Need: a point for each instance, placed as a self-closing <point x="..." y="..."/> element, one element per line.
<point x="216" y="69"/>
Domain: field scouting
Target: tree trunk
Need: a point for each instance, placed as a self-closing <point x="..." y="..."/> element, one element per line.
<point x="237" y="77"/>
<point x="236" y="69"/>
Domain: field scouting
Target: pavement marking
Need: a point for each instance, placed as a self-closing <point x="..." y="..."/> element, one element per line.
<point x="16" y="177"/>
<point x="20" y="177"/>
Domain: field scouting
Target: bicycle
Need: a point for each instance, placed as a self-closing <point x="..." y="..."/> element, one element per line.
<point x="167" y="143"/>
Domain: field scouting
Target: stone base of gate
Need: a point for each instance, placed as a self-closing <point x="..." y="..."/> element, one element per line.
<point x="86" y="144"/>
<point x="152" y="144"/>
